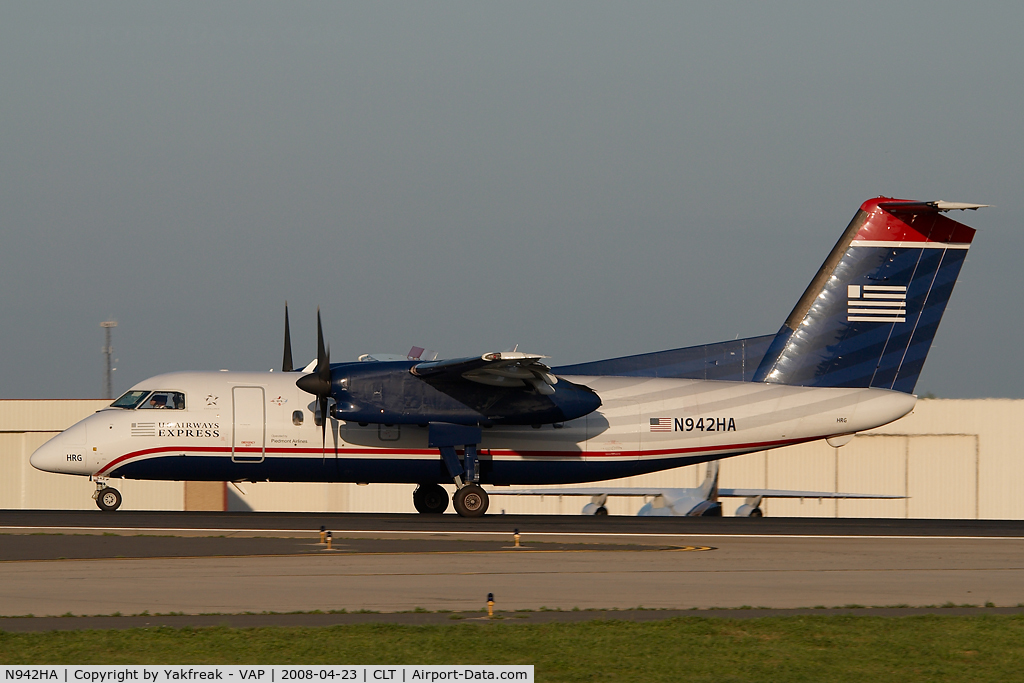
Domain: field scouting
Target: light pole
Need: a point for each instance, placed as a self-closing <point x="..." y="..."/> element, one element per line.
<point x="107" y="350"/>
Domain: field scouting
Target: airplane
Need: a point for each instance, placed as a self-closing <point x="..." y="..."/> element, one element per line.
<point x="845" y="360"/>
<point x="684" y="502"/>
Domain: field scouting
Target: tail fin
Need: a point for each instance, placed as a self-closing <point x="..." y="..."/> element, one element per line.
<point x="869" y="316"/>
<point x="709" y="488"/>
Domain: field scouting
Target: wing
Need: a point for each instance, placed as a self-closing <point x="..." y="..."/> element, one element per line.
<point x="504" y="369"/>
<point x="636" y="492"/>
<point x="722" y="493"/>
<point x="506" y="388"/>
<point x="770" y="493"/>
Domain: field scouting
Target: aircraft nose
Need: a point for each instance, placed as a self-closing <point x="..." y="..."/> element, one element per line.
<point x="64" y="453"/>
<point x="48" y="457"/>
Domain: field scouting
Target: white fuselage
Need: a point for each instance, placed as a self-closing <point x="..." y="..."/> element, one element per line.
<point x="239" y="426"/>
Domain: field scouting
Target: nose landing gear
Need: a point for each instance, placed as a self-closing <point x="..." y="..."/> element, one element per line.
<point x="107" y="499"/>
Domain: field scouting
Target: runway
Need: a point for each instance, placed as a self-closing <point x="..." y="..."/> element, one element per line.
<point x="541" y="526"/>
<point x="233" y="563"/>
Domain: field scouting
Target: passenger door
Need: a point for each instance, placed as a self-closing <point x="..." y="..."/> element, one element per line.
<point x="249" y="420"/>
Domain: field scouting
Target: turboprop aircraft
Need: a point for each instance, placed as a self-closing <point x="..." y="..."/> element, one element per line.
<point x="699" y="502"/>
<point x="846" y="359"/>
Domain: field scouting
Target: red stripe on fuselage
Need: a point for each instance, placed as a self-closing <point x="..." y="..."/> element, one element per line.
<point x="503" y="452"/>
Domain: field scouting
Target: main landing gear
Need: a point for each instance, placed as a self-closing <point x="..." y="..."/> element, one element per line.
<point x="430" y="499"/>
<point x="470" y="500"/>
<point x="107" y="499"/>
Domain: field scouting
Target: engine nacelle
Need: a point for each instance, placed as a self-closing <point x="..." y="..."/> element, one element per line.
<point x="708" y="508"/>
<point x="590" y="509"/>
<point x="751" y="507"/>
<point x="748" y="511"/>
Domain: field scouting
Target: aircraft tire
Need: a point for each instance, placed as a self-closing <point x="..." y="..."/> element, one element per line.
<point x="109" y="499"/>
<point x="601" y="511"/>
<point x="430" y="499"/>
<point x="470" y="501"/>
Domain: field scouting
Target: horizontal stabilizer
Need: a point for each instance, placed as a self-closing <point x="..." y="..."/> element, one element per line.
<point x="920" y="207"/>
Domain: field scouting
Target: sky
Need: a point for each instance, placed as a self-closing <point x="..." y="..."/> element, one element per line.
<point x="583" y="179"/>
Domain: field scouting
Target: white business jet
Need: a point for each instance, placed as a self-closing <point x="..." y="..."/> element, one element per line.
<point x="684" y="502"/>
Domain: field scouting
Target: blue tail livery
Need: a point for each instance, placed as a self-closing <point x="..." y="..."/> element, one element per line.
<point x="869" y="316"/>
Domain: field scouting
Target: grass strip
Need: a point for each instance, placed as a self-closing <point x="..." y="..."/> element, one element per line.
<point x="802" y="648"/>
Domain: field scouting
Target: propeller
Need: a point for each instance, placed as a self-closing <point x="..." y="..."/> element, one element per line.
<point x="318" y="382"/>
<point x="286" y="364"/>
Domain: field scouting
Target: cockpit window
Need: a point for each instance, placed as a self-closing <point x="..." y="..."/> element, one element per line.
<point x="166" y="400"/>
<point x="130" y="399"/>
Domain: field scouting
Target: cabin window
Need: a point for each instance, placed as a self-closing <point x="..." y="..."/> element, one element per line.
<point x="297" y="418"/>
<point x="165" y="400"/>
<point x="130" y="399"/>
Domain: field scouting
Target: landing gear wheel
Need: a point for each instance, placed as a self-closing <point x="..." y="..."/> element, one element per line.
<point x="470" y="501"/>
<point x="430" y="499"/>
<point x="601" y="511"/>
<point x="109" y="499"/>
<point x="756" y="512"/>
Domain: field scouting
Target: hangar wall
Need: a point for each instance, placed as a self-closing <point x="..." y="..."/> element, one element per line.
<point x="954" y="459"/>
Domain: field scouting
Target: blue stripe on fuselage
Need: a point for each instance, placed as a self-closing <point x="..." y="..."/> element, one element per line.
<point x="390" y="470"/>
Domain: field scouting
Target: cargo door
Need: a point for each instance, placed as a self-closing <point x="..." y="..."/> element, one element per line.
<point x="249" y="420"/>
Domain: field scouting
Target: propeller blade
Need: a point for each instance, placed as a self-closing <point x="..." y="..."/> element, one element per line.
<point x="321" y="355"/>
<point x="324" y="373"/>
<point x="319" y="382"/>
<point x="286" y="364"/>
<point x="325" y="379"/>
<point x="323" y="424"/>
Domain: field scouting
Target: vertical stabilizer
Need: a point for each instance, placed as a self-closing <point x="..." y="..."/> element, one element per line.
<point x="709" y="488"/>
<point x="869" y="315"/>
